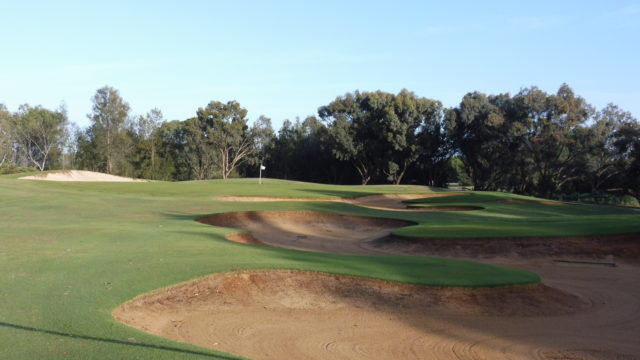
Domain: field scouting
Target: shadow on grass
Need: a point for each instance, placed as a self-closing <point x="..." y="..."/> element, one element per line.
<point x="114" y="341"/>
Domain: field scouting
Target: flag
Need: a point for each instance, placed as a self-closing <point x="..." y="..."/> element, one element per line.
<point x="262" y="167"/>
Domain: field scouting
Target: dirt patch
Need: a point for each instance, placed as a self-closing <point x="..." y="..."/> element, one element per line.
<point x="266" y="315"/>
<point x="623" y="246"/>
<point x="305" y="230"/>
<point x="80" y="175"/>
<point x="381" y="201"/>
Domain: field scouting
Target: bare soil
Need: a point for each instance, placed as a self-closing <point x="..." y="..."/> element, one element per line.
<point x="80" y="175"/>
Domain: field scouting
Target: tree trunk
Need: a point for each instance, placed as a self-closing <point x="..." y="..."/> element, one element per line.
<point x="364" y="173"/>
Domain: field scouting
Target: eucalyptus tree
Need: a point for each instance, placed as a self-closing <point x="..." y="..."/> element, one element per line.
<point x="6" y="135"/>
<point x="627" y="145"/>
<point x="552" y="122"/>
<point x="263" y="138"/>
<point x="144" y="156"/>
<point x="39" y="133"/>
<point x="477" y="130"/>
<point x="377" y="131"/>
<point x="107" y="132"/>
<point x="223" y="128"/>
<point x="604" y="164"/>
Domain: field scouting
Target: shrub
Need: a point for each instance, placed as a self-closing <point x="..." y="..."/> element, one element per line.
<point x="14" y="169"/>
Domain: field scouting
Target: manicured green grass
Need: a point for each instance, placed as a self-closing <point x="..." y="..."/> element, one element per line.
<point x="72" y="252"/>
<point x="499" y="219"/>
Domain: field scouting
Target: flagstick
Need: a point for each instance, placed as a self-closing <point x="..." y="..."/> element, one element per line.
<point x="260" y="181"/>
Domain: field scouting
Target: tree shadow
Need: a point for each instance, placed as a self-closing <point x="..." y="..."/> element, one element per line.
<point x="114" y="341"/>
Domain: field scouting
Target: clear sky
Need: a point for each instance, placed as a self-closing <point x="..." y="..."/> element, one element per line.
<point x="286" y="58"/>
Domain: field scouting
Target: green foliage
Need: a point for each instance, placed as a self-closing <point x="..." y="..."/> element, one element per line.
<point x="378" y="132"/>
<point x="11" y="168"/>
<point x="227" y="133"/>
<point x="602" y="198"/>
<point x="38" y="134"/>
<point x="106" y="142"/>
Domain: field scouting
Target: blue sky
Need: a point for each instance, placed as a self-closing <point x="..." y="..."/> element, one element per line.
<point x="286" y="58"/>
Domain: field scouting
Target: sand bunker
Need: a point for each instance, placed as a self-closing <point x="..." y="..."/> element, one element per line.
<point x="625" y="246"/>
<point x="331" y="233"/>
<point x="445" y="208"/>
<point x="302" y="315"/>
<point x="381" y="201"/>
<point x="306" y="230"/>
<point x="80" y="175"/>
<point x="527" y="201"/>
<point x="581" y="312"/>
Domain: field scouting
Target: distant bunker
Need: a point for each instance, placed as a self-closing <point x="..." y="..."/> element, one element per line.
<point x="306" y="230"/>
<point x="347" y="234"/>
<point x="394" y="202"/>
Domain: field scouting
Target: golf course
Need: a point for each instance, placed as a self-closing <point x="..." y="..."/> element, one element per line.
<point x="233" y="269"/>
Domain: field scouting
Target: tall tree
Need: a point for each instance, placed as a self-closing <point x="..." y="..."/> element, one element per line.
<point x="627" y="146"/>
<point x="377" y="131"/>
<point x="144" y="158"/>
<point x="108" y="118"/>
<point x="225" y="127"/>
<point x="477" y="129"/>
<point x="263" y="138"/>
<point x="40" y="133"/>
<point x="603" y="164"/>
<point x="6" y="135"/>
<point x="553" y="120"/>
<point x="199" y="153"/>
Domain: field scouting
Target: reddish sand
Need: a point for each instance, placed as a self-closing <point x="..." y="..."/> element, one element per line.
<point x="297" y="315"/>
<point x="306" y="230"/>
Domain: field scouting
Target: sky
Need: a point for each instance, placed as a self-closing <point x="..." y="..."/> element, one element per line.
<point x="284" y="59"/>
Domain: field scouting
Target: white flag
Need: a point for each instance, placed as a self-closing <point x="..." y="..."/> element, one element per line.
<point x="262" y="167"/>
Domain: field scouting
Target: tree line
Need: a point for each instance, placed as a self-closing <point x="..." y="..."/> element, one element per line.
<point x="530" y="143"/>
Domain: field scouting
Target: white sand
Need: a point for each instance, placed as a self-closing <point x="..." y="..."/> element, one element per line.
<point x="80" y="175"/>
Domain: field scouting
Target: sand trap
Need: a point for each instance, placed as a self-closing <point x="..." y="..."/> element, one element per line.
<point x="80" y="175"/>
<point x="445" y="208"/>
<point x="526" y="201"/>
<point x="625" y="246"/>
<point x="581" y="312"/>
<point x="331" y="233"/>
<point x="306" y="230"/>
<point x="381" y="201"/>
<point x="302" y="315"/>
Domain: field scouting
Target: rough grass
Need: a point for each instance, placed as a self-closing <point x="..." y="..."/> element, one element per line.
<point x="71" y="252"/>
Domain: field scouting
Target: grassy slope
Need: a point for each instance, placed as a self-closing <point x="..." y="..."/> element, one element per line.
<point x="71" y="252"/>
<point x="520" y="220"/>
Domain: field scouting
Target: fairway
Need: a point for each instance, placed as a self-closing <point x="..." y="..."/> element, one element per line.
<point x="71" y="253"/>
